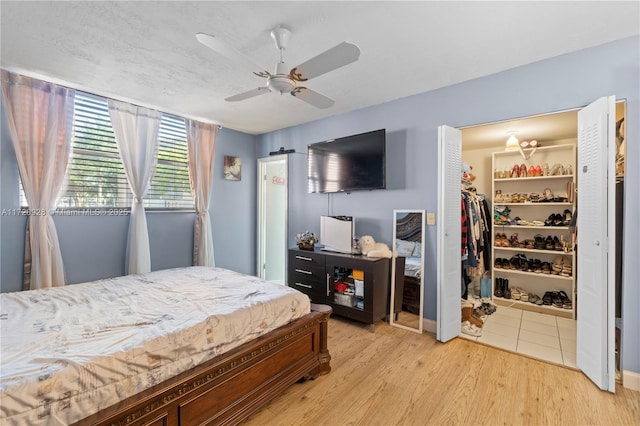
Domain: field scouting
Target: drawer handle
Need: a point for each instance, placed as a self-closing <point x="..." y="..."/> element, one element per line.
<point x="302" y="271"/>
<point x="308" y="259"/>
<point x="328" y="291"/>
<point x="303" y="285"/>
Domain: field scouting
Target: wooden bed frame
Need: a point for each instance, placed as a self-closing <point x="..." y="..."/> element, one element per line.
<point x="232" y="386"/>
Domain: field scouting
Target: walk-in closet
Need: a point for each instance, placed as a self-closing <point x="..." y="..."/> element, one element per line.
<point x="519" y="239"/>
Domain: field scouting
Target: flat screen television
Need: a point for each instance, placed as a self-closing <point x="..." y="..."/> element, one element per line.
<point x="351" y="163"/>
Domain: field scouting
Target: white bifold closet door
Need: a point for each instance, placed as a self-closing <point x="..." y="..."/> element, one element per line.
<point x="449" y="276"/>
<point x="596" y="242"/>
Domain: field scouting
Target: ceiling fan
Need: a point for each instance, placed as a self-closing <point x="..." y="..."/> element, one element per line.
<point x="283" y="80"/>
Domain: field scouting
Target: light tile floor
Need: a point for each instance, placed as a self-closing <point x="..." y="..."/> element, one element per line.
<point x="541" y="336"/>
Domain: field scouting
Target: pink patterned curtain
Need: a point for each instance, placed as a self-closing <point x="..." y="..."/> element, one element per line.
<point x="201" y="143"/>
<point x="40" y="120"/>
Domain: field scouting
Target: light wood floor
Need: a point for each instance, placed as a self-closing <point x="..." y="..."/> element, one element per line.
<point x="396" y="377"/>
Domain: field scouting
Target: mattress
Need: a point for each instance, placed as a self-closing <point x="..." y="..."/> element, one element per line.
<point x="68" y="352"/>
<point x="412" y="266"/>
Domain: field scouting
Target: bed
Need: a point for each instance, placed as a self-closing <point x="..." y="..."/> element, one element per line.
<point x="183" y="346"/>
<point x="408" y="245"/>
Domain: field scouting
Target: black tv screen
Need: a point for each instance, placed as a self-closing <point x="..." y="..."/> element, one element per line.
<point x="351" y="163"/>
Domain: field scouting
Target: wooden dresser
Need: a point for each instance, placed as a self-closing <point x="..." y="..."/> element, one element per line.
<point x="355" y="286"/>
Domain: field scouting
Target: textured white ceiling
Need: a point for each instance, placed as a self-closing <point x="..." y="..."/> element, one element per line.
<point x="147" y="53"/>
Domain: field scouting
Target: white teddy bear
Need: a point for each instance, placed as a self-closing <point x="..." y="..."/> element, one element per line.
<point x="372" y="249"/>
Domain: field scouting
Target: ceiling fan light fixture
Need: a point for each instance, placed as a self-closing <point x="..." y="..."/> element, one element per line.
<point x="281" y="84"/>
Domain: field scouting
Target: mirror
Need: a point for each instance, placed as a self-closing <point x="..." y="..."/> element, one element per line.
<point x="407" y="267"/>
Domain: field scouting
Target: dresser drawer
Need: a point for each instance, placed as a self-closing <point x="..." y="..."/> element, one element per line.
<point x="303" y="259"/>
<point x="312" y="282"/>
<point x="310" y="276"/>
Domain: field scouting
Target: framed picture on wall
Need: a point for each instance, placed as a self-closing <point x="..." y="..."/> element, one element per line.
<point x="232" y="168"/>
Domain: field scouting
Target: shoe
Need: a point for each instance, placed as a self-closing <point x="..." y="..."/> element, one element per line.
<point x="538" y="170"/>
<point x="470" y="329"/>
<point x="523" y="170"/>
<point x="566" y="302"/>
<point x="515" y="172"/>
<point x="524" y="263"/>
<point x="548" y="195"/>
<point x="545" y="169"/>
<point x="556" y="268"/>
<point x="535" y="197"/>
<point x="557" y="245"/>
<point x="546" y="299"/>
<point x="498" y="198"/>
<point x="546" y="268"/>
<point x="556" y="170"/>
<point x="532" y="171"/>
<point x="567" y="269"/>
<point x="570" y="191"/>
<point x="498" y="288"/>
<point x="548" y="243"/>
<point x="568" y="170"/>
<point x="567" y="216"/>
<point x="514" y="240"/>
<point x="558" y="221"/>
<point x="515" y="293"/>
<point x="537" y="266"/>
<point x="555" y="299"/>
<point x="487" y="308"/>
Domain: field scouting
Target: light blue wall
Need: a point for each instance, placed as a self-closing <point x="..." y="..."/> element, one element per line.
<point x="561" y="83"/>
<point x="94" y="247"/>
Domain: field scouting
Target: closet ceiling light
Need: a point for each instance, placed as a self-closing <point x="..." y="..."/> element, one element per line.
<point x="512" y="144"/>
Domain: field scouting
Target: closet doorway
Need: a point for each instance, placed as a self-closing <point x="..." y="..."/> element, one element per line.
<point x="589" y="337"/>
<point x="272" y="218"/>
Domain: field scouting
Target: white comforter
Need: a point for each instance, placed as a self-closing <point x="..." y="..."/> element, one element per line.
<point x="68" y="352"/>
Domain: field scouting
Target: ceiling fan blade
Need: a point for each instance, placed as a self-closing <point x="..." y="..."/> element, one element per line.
<point x="334" y="58"/>
<point x="221" y="47"/>
<point x="312" y="98"/>
<point x="249" y="94"/>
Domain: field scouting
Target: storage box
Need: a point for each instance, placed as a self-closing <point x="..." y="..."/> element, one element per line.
<point x="344" y="299"/>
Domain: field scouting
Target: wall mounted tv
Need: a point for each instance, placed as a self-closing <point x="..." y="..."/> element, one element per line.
<point x="351" y="163"/>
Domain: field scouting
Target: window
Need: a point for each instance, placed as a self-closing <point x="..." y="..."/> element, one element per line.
<point x="170" y="183"/>
<point x="95" y="175"/>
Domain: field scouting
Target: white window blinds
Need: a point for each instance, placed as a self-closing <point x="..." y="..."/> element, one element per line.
<point x="96" y="179"/>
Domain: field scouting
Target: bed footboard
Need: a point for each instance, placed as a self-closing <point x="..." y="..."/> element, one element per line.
<point x="229" y="388"/>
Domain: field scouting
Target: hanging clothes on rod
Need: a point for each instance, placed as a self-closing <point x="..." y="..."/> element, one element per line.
<point x="475" y="233"/>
